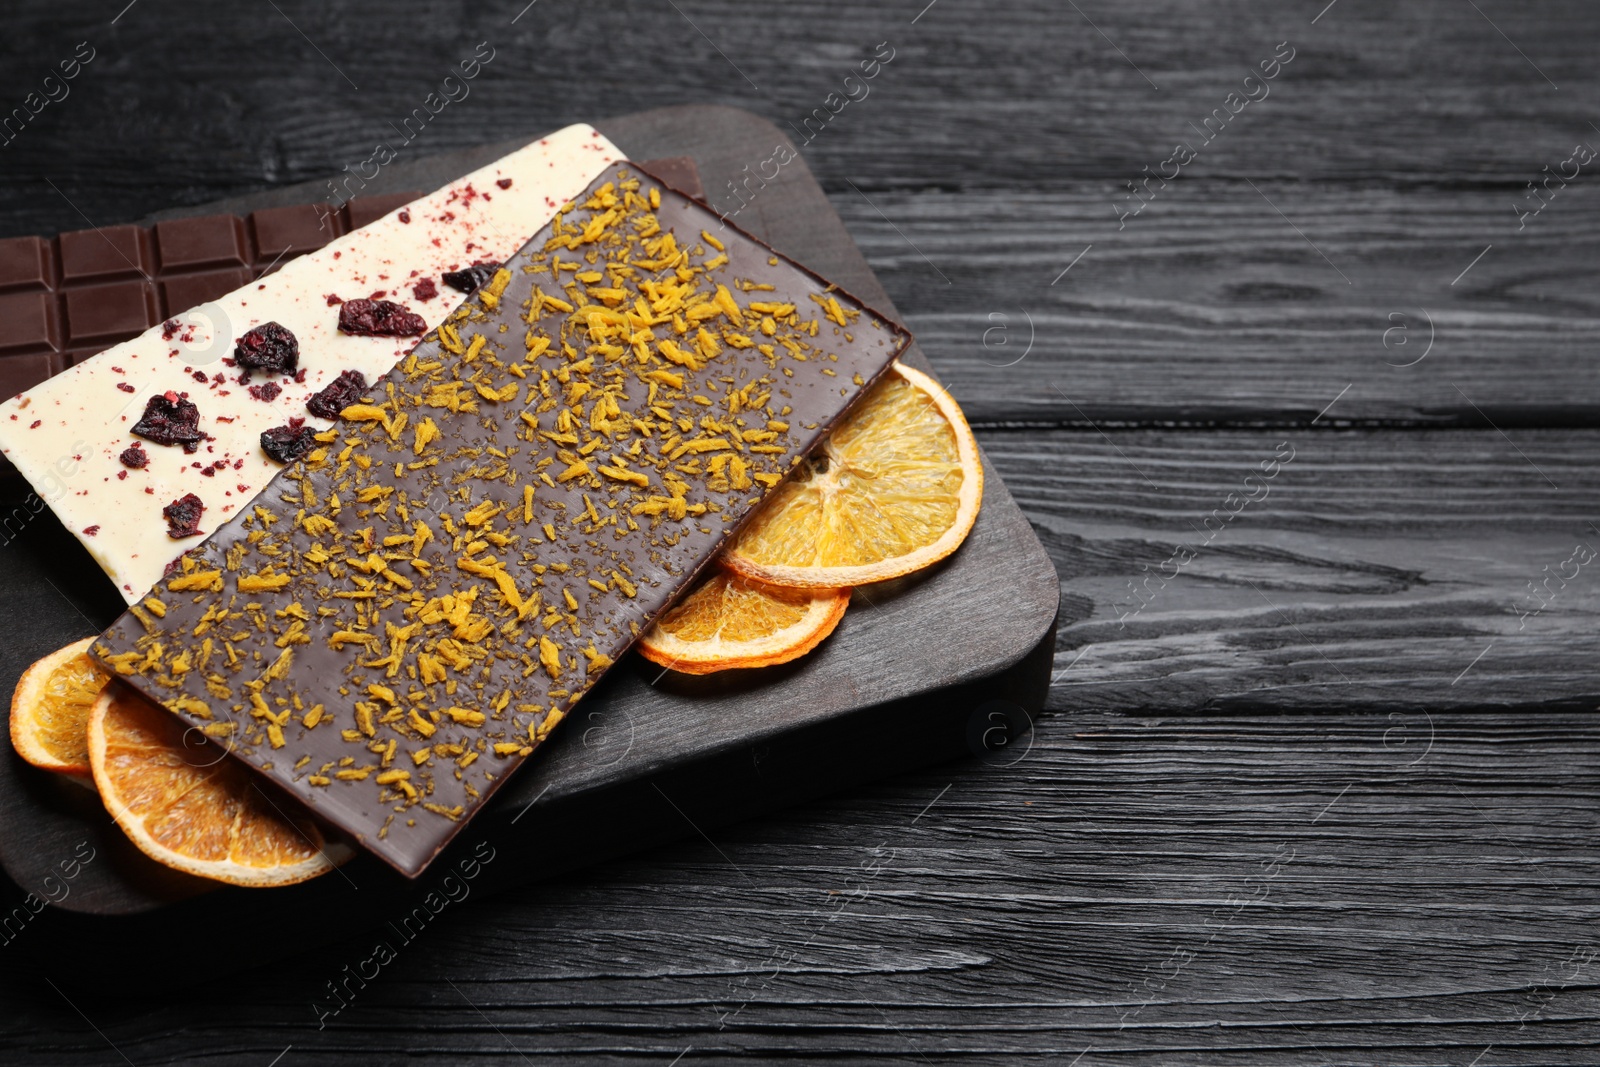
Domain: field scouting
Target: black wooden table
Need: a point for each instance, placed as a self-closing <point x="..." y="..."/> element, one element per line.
<point x="1298" y="387"/>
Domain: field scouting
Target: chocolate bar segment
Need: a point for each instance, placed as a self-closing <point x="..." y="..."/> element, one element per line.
<point x="100" y="314"/>
<point x="26" y="263"/>
<point x="108" y="252"/>
<point x="404" y="616"/>
<point x="29" y="322"/>
<point x="201" y="242"/>
<point x="192" y="290"/>
<point x="299" y="228"/>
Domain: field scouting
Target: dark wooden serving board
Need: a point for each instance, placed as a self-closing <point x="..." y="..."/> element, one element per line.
<point x="947" y="662"/>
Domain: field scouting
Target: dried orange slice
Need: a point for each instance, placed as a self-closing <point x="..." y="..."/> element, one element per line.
<point x="895" y="488"/>
<point x="50" y="709"/>
<point x="186" y="804"/>
<point x="727" y="622"/>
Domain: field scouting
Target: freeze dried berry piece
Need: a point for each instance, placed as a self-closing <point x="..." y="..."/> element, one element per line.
<point x="135" y="457"/>
<point x="170" y="419"/>
<point x="266" y="391"/>
<point x="288" y="443"/>
<point x="269" y="347"/>
<point x="183" y="516"/>
<point x="379" y="318"/>
<point x="425" y="289"/>
<point x="472" y="278"/>
<point x="337" y="395"/>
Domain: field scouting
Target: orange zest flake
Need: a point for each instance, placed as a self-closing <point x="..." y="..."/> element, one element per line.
<point x="266" y="580"/>
<point x="451" y="813"/>
<point x="550" y="656"/>
<point x="199" y="580"/>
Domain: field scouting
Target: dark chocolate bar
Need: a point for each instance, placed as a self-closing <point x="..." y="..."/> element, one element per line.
<point x="406" y="613"/>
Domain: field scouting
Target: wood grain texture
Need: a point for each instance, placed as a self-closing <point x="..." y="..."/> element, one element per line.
<point x="1085" y="905"/>
<point x="1211" y="308"/>
<point x="1345" y="889"/>
<point x="1369" y="569"/>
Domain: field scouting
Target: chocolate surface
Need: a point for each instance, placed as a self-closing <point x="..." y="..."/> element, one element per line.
<point x="516" y="502"/>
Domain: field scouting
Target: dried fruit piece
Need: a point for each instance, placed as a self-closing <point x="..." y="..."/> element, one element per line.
<point x="337" y="395"/>
<point x="183" y="516"/>
<point x="266" y="391"/>
<point x="425" y="289"/>
<point x="171" y="419"/>
<point x="270" y="348"/>
<point x="186" y="804"/>
<point x="900" y="491"/>
<point x="134" y="456"/>
<point x="470" y="279"/>
<point x="288" y="443"/>
<point x="728" y="622"/>
<point x="379" y="318"/>
<point x="50" y="709"/>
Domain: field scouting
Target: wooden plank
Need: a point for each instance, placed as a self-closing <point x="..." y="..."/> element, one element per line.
<point x="1288" y="890"/>
<point x="1413" y="93"/>
<point x="1212" y="308"/>
<point x="1372" y="569"/>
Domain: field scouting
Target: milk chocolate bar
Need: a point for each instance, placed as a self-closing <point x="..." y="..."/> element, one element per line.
<point x="406" y="613"/>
